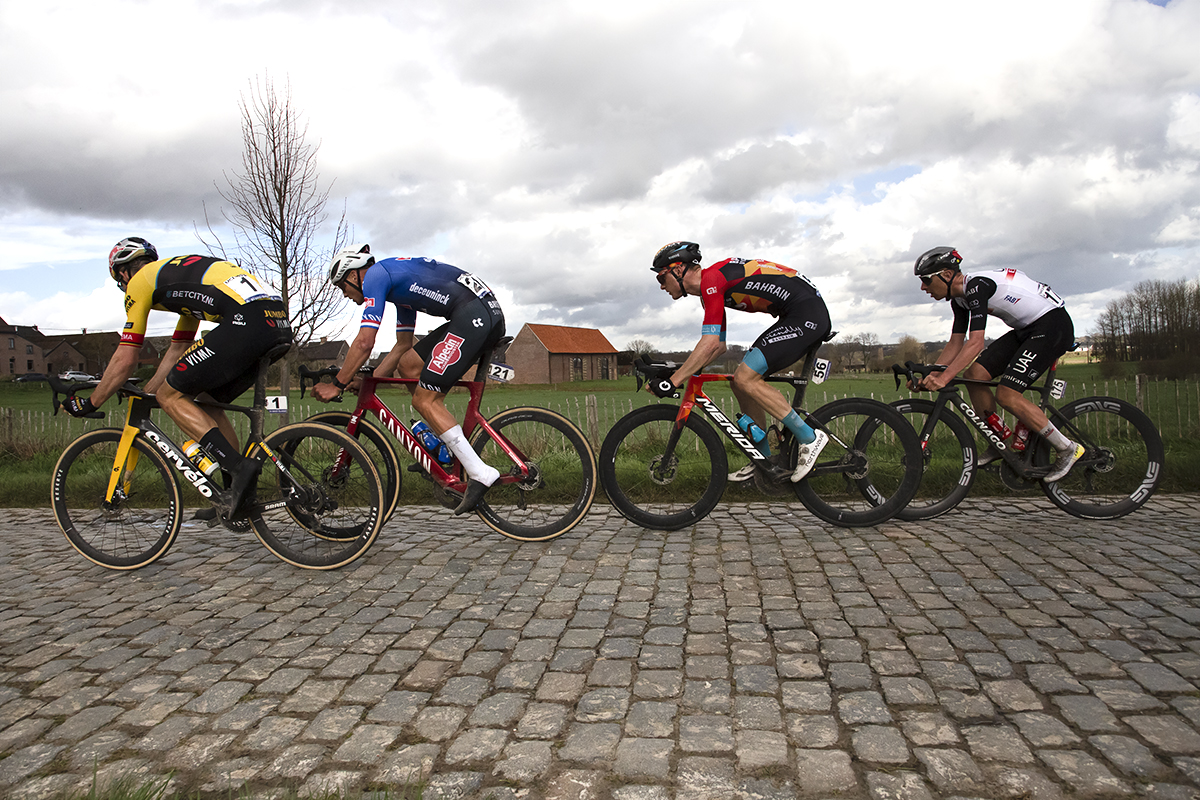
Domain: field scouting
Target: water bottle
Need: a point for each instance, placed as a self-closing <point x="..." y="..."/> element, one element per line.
<point x="1020" y="437"/>
<point x="430" y="441"/>
<point x="995" y="423"/>
<point x="750" y="428"/>
<point x="195" y="453"/>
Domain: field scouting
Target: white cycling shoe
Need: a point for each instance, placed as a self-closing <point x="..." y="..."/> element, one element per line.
<point x="744" y="474"/>
<point x="1066" y="460"/>
<point x="806" y="459"/>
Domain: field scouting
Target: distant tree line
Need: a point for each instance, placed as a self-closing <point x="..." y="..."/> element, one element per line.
<point x="1157" y="324"/>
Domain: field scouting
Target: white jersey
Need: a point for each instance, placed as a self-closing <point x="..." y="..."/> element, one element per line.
<point x="1008" y="294"/>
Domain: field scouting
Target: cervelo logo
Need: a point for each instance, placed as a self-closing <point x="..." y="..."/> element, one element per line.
<point x="181" y="463"/>
<point x="445" y="353"/>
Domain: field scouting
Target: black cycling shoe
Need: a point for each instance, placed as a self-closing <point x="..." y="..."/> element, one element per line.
<point x="227" y="502"/>
<point x="475" y="492"/>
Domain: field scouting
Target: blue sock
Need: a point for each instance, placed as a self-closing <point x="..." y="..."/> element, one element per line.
<point x="798" y="427"/>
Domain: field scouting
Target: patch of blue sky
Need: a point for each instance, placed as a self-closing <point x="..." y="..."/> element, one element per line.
<point x="869" y="188"/>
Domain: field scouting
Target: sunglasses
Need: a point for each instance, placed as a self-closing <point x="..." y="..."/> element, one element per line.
<point x="926" y="280"/>
<point x="661" y="277"/>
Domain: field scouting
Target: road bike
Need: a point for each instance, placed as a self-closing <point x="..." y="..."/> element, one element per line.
<point x="1121" y="466"/>
<point x="547" y="469"/>
<point x="665" y="468"/>
<point x="117" y="493"/>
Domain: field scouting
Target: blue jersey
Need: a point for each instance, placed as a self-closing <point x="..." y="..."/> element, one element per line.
<point x="416" y="284"/>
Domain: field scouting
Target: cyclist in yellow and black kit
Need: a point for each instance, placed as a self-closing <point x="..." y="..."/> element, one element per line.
<point x="222" y="364"/>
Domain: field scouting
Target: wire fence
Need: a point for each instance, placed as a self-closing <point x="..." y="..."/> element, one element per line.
<point x="1174" y="406"/>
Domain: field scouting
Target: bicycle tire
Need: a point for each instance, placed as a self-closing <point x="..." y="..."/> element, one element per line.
<point x="378" y="445"/>
<point x="1123" y="463"/>
<point x="562" y="482"/>
<point x="870" y="478"/>
<point x="319" y="517"/>
<point x="630" y="461"/>
<point x="947" y="461"/>
<point x="142" y="522"/>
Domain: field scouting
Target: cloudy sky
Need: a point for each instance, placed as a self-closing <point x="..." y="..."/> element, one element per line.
<point x="553" y="147"/>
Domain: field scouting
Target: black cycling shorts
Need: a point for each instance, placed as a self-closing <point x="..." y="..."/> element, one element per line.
<point x="789" y="340"/>
<point x="455" y="346"/>
<point x="1019" y="357"/>
<point x="224" y="362"/>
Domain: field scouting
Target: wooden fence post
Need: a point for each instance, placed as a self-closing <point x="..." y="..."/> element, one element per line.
<point x="593" y="421"/>
<point x="1139" y="383"/>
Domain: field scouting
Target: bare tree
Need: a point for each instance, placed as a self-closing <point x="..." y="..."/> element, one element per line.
<point x="909" y="349"/>
<point x="277" y="209"/>
<point x="639" y="347"/>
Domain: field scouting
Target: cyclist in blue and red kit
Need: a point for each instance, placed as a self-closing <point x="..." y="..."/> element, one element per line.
<point x="439" y="360"/>
<point x="754" y="286"/>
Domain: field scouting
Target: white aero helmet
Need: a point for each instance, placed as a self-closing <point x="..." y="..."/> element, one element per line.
<point x="355" y="256"/>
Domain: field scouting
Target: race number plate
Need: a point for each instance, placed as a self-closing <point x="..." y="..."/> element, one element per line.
<point x="1058" y="389"/>
<point x="501" y="372"/>
<point x="277" y="404"/>
<point x="247" y="288"/>
<point x="820" y="370"/>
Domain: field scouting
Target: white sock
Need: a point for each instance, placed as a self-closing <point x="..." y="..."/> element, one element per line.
<point x="1054" y="436"/>
<point x="466" y="455"/>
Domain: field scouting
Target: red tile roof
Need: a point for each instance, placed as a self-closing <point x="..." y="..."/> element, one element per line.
<point x="562" y="339"/>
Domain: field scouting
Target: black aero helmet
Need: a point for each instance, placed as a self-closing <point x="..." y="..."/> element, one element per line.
<point x="934" y="261"/>
<point x="687" y="253"/>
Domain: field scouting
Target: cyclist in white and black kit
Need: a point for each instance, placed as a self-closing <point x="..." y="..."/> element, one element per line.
<point x="1042" y="331"/>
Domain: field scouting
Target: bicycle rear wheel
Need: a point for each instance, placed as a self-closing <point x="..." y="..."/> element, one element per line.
<point x="869" y="470"/>
<point x="379" y="446"/>
<point x="651" y="489"/>
<point x="947" y="461"/>
<point x="140" y="523"/>
<point x="561" y="484"/>
<point x="1122" y="465"/>
<point x="319" y="507"/>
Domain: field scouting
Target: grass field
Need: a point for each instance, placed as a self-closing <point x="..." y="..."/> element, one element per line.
<point x="31" y="440"/>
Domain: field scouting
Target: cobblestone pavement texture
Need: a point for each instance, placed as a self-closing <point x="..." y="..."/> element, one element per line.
<point x="993" y="653"/>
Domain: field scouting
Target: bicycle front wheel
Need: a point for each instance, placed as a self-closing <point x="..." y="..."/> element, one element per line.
<point x="141" y="521"/>
<point x="869" y="470"/>
<point x="947" y="460"/>
<point x="379" y="446"/>
<point x="652" y="488"/>
<point x="319" y="506"/>
<point x="561" y="484"/>
<point x="1122" y="465"/>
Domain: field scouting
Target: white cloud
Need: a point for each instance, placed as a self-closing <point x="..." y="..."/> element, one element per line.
<point x="553" y="148"/>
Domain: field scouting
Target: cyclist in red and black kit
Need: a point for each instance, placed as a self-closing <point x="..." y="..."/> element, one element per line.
<point x="754" y="286"/>
<point x="1042" y="331"/>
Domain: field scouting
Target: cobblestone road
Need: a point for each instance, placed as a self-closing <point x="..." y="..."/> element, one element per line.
<point x="759" y="655"/>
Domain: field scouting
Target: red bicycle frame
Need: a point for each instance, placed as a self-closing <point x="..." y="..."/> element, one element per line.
<point x="369" y="403"/>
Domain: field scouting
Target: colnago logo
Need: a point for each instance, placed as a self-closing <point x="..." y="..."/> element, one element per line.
<point x="732" y="430"/>
<point x="982" y="425"/>
<point x="445" y="353"/>
<point x="181" y="463"/>
<point x="407" y="439"/>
